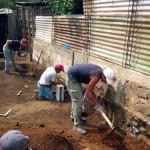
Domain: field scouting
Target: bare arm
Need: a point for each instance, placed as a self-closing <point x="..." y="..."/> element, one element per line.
<point x="17" y="52"/>
<point x="8" y="42"/>
<point x="90" y="88"/>
<point x="54" y="82"/>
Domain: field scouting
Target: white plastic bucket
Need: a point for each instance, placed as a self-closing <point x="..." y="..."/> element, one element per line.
<point x="59" y="92"/>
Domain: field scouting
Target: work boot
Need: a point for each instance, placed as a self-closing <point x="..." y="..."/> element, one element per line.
<point x="79" y="130"/>
<point x="83" y="121"/>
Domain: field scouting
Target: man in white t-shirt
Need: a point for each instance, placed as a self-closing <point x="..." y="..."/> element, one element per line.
<point x="46" y="80"/>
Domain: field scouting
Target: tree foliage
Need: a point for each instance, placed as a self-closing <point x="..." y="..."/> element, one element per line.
<point x="61" y="7"/>
<point x="7" y="4"/>
<point x="58" y="7"/>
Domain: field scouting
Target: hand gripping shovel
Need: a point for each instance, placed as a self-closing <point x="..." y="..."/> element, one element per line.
<point x="104" y="116"/>
<point x="108" y="121"/>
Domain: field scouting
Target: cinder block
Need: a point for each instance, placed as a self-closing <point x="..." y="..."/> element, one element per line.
<point x="54" y="55"/>
<point x="64" y="60"/>
<point x="58" y="58"/>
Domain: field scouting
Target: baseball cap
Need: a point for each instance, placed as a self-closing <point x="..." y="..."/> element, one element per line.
<point x="109" y="74"/>
<point x="14" y="140"/>
<point x="60" y="66"/>
<point x="25" y="41"/>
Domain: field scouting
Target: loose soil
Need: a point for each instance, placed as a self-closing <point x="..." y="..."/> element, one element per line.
<point x="47" y="123"/>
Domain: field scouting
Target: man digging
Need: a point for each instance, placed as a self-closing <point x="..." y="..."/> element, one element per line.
<point x="88" y="74"/>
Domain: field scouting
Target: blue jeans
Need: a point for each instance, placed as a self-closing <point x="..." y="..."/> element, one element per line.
<point x="9" y="56"/>
<point x="45" y="92"/>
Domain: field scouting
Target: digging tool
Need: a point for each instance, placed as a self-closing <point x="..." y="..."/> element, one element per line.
<point x="104" y="116"/>
<point x="83" y="107"/>
<point x="108" y="121"/>
<point x="36" y="64"/>
<point x="112" y="129"/>
<point x="84" y="114"/>
<point x="19" y="68"/>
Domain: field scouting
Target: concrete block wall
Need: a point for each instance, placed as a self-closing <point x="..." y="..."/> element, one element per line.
<point x="52" y="55"/>
<point x="128" y="98"/>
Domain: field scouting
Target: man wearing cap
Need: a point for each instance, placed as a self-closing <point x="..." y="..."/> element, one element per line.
<point x="14" y="140"/>
<point x="88" y="74"/>
<point x="9" y="54"/>
<point x="46" y="80"/>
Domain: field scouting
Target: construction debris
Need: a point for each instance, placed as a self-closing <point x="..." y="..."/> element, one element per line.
<point x="26" y="86"/>
<point x="18" y="94"/>
<point x="6" y="114"/>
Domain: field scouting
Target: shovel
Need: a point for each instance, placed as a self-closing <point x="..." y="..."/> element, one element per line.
<point x="19" y="68"/>
<point x="108" y="121"/>
<point x="32" y="74"/>
<point x="84" y="114"/>
<point x="104" y="116"/>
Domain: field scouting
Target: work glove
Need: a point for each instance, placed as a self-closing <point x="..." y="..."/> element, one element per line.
<point x="98" y="108"/>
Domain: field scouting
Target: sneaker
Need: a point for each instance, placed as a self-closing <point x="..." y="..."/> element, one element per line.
<point x="79" y="130"/>
<point x="7" y="72"/>
<point x="83" y="121"/>
<point x="28" y="148"/>
<point x="84" y="114"/>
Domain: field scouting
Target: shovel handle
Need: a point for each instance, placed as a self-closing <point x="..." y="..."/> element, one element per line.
<point x="106" y="118"/>
<point x="37" y="63"/>
<point x="84" y="97"/>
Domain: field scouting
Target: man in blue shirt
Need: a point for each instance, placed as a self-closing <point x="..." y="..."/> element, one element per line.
<point x="9" y="54"/>
<point x="88" y="74"/>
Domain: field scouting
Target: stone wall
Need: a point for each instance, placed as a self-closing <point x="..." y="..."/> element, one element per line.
<point x="127" y="102"/>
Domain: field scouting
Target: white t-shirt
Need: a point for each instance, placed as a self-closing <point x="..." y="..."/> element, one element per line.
<point x="48" y="75"/>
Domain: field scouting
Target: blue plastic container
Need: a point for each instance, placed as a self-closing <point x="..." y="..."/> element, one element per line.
<point x="66" y="46"/>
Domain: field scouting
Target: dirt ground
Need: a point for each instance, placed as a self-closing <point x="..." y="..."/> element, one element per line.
<point x="47" y="123"/>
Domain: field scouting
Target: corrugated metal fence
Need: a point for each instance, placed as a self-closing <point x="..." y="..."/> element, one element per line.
<point x="72" y="30"/>
<point x="44" y="28"/>
<point x="114" y="30"/>
<point x="120" y="32"/>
